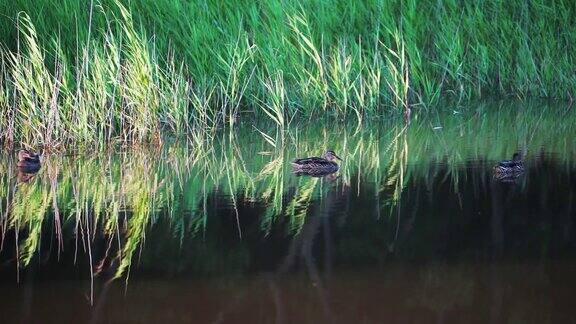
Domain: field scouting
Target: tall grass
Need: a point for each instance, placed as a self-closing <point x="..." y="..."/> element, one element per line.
<point x="112" y="70"/>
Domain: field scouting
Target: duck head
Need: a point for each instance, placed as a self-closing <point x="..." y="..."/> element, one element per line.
<point x="25" y="155"/>
<point x="331" y="156"/>
<point x="517" y="157"/>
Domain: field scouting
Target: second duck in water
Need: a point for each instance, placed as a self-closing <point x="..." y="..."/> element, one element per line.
<point x="28" y="162"/>
<point x="317" y="166"/>
<point x="510" y="166"/>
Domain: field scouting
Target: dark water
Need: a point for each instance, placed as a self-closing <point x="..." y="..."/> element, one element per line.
<point x="414" y="228"/>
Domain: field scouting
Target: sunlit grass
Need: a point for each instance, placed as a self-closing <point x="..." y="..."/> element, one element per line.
<point x="101" y="72"/>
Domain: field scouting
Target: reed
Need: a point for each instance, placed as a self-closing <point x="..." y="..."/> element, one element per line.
<point x="100" y="72"/>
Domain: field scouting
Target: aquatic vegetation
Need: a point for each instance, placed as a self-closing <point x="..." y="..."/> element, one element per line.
<point x="100" y="72"/>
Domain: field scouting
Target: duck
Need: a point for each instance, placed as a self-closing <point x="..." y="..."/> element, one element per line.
<point x="28" y="162"/>
<point x="510" y="166"/>
<point x="317" y="166"/>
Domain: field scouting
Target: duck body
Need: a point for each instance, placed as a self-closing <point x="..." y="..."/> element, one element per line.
<point x="510" y="166"/>
<point x="28" y="160"/>
<point x="316" y="166"/>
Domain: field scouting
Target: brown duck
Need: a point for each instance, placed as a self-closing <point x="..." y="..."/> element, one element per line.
<point x="28" y="162"/>
<point x="317" y="166"/>
<point x="510" y="166"/>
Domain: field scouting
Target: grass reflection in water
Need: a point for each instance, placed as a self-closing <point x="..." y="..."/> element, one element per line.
<point x="114" y="200"/>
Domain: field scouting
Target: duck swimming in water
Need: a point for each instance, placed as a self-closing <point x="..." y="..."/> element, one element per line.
<point x="317" y="166"/>
<point x="510" y="166"/>
<point x="28" y="162"/>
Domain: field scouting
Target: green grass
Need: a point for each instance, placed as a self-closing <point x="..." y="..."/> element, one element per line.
<point x="97" y="72"/>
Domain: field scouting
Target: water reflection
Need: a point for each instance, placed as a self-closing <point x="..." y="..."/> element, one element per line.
<point x="414" y="226"/>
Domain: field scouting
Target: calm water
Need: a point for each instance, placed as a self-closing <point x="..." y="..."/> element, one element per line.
<point x="414" y="228"/>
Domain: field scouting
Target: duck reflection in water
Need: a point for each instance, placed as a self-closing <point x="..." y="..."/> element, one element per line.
<point x="331" y="176"/>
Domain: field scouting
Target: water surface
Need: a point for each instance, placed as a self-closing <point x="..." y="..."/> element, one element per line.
<point x="413" y="228"/>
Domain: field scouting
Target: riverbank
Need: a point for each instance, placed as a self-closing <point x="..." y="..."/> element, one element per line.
<point x="105" y="72"/>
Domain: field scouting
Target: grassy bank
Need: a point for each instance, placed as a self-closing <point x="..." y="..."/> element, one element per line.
<point x="102" y="71"/>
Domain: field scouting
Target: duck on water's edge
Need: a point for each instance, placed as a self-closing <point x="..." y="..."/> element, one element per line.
<point x="317" y="165"/>
<point x="510" y="166"/>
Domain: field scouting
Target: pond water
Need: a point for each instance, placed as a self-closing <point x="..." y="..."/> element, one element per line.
<point x="414" y="227"/>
